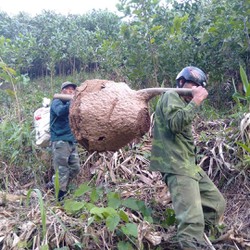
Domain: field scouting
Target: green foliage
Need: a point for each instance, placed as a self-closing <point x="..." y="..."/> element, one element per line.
<point x="114" y="200"/>
<point x="15" y="141"/>
<point x="130" y="229"/>
<point x="42" y="208"/>
<point x="55" y="52"/>
<point x="114" y="216"/>
<point x="146" y="48"/>
<point x="245" y="147"/>
<point x="81" y="190"/>
<point x="125" y="246"/>
<point x="239" y="97"/>
<point x="16" y="136"/>
<point x="148" y="43"/>
<point x="170" y="219"/>
<point x="245" y="158"/>
<point x="74" y="206"/>
<point x="137" y="206"/>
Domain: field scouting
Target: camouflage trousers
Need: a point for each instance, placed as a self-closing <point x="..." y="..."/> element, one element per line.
<point x="197" y="203"/>
<point x="66" y="161"/>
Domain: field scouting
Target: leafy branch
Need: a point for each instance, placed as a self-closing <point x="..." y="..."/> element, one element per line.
<point x="245" y="96"/>
<point x="10" y="75"/>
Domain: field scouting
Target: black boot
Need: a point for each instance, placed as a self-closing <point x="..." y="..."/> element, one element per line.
<point x="61" y="195"/>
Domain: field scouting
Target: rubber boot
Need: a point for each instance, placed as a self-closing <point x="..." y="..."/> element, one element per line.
<point x="61" y="195"/>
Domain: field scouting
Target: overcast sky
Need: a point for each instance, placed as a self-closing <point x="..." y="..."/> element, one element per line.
<point x="33" y="7"/>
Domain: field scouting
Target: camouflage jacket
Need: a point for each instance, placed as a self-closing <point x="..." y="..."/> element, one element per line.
<point x="173" y="149"/>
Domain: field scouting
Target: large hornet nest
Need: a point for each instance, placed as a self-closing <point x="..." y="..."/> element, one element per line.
<point x="107" y="115"/>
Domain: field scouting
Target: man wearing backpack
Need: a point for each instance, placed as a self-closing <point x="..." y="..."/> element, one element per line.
<point x="64" y="149"/>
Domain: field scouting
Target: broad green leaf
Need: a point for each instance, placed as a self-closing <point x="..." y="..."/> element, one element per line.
<point x="109" y="211"/>
<point x="146" y="211"/>
<point x="137" y="205"/>
<point x="114" y="200"/>
<point x="131" y="203"/>
<point x="89" y="206"/>
<point x="112" y="221"/>
<point x="130" y="229"/>
<point x="73" y="206"/>
<point x="103" y="211"/>
<point x="81" y="190"/>
<point x="149" y="219"/>
<point x="94" y="196"/>
<point x="123" y="216"/>
<point x="99" y="211"/>
<point x="125" y="246"/>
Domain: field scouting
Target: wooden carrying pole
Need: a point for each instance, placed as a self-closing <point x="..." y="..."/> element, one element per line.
<point x="151" y="92"/>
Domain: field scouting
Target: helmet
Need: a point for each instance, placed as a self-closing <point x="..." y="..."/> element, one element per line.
<point x="192" y="74"/>
<point x="66" y="84"/>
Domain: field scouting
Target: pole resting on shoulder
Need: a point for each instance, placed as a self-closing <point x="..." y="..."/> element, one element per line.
<point x="147" y="93"/>
<point x="63" y="97"/>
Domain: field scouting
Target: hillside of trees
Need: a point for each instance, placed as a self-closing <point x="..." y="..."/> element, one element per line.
<point x="116" y="203"/>
<point x="147" y="44"/>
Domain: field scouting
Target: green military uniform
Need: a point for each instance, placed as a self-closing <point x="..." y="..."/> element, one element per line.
<point x="195" y="198"/>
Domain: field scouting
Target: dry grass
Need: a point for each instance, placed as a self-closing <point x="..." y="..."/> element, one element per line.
<point x="126" y="172"/>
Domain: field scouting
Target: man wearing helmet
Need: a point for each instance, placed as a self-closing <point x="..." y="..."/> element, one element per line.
<point x="196" y="200"/>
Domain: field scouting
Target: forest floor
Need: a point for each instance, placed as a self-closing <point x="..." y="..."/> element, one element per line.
<point x="34" y="220"/>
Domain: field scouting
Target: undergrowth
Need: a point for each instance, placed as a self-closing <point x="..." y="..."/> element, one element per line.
<point x="116" y="203"/>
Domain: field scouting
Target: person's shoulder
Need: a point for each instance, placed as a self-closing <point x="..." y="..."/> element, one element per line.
<point x="169" y="94"/>
<point x="56" y="100"/>
<point x="169" y="97"/>
<point x="55" y="103"/>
